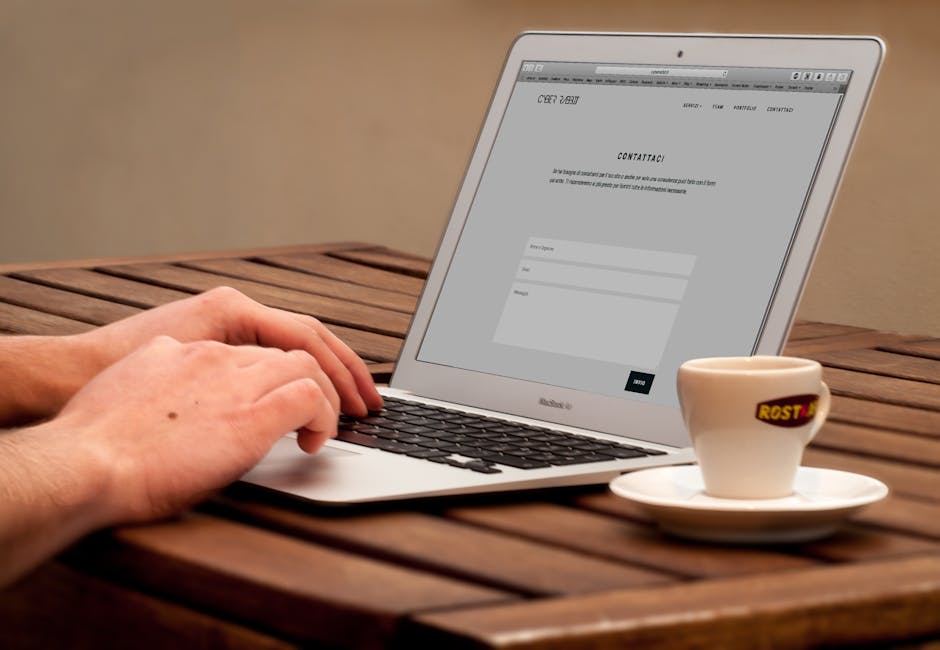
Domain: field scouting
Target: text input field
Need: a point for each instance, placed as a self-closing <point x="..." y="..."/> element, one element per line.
<point x="619" y="257"/>
<point x="586" y="277"/>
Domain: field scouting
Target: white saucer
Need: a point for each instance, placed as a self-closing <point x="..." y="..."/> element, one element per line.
<point x="675" y="497"/>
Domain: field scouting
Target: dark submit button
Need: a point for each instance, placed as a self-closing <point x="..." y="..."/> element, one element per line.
<point x="639" y="382"/>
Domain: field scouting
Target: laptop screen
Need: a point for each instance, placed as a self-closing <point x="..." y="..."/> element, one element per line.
<point x="629" y="218"/>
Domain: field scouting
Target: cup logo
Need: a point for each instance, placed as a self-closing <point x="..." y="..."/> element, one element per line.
<point x="792" y="411"/>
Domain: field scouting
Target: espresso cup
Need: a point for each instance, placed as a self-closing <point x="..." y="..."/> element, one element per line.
<point x="749" y="419"/>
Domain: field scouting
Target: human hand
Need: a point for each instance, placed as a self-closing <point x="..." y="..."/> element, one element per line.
<point x="228" y="316"/>
<point x="173" y="421"/>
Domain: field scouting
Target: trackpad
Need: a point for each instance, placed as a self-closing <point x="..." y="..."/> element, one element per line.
<point x="332" y="452"/>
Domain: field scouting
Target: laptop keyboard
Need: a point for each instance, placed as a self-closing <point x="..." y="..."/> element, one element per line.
<point x="475" y="442"/>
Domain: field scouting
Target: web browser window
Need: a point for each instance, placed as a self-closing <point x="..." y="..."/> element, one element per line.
<point x="631" y="217"/>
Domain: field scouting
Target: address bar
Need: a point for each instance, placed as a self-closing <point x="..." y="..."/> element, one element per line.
<point x="660" y="72"/>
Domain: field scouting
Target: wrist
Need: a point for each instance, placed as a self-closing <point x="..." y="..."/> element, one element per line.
<point x="73" y="474"/>
<point x="54" y="489"/>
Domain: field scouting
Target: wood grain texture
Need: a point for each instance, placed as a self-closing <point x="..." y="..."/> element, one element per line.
<point x="20" y="320"/>
<point x="878" y="362"/>
<point x="912" y="517"/>
<point x="609" y="537"/>
<point x="62" y="303"/>
<point x="107" y="287"/>
<point x="803" y="330"/>
<point x="534" y="568"/>
<point x="90" y="263"/>
<point x="867" y="338"/>
<point x="288" y="586"/>
<point x="551" y="569"/>
<point x="354" y="293"/>
<point x="854" y="543"/>
<point x="369" y="345"/>
<point x="885" y="416"/>
<point x="389" y="260"/>
<point x="902" y="478"/>
<point x="903" y="514"/>
<point x="82" y="612"/>
<point x="327" y="309"/>
<point x="340" y="269"/>
<point x="877" y="443"/>
<point x="928" y="348"/>
<point x="381" y="372"/>
<point x="852" y="604"/>
<point x="877" y="388"/>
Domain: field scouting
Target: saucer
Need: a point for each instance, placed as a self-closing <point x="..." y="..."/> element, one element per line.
<point x="675" y="497"/>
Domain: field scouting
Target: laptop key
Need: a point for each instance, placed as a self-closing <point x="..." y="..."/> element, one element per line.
<point x="427" y="453"/>
<point x="577" y="460"/>
<point x="515" y="461"/>
<point x="416" y="429"/>
<point x="483" y="468"/>
<point x="623" y="452"/>
<point x="357" y="438"/>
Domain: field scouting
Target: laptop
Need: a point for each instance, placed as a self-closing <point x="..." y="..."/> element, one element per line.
<point x="632" y="201"/>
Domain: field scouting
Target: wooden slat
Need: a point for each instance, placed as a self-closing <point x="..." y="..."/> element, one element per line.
<point x="883" y="363"/>
<point x="334" y="267"/>
<point x="19" y="320"/>
<point x="389" y="260"/>
<point x="852" y="543"/>
<point x="89" y="263"/>
<point x="853" y="604"/>
<point x="864" y="339"/>
<point x="381" y="372"/>
<point x="62" y="303"/>
<point x="107" y="287"/>
<point x="885" y="416"/>
<point x="604" y="501"/>
<point x="369" y="345"/>
<point x="450" y="548"/>
<point x="614" y="538"/>
<point x="902" y="478"/>
<point x="332" y="310"/>
<point x="58" y="607"/>
<point x="245" y="270"/>
<point x="904" y="514"/>
<point x="803" y="330"/>
<point x="877" y="388"/>
<point x="928" y="348"/>
<point x="918" y="450"/>
<point x="285" y="585"/>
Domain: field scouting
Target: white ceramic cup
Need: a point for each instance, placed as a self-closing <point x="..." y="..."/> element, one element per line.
<point x="749" y="419"/>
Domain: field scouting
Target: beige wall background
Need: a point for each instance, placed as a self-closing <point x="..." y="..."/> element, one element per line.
<point x="135" y="127"/>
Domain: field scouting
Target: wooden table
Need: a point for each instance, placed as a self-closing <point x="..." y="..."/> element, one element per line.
<point x="550" y="569"/>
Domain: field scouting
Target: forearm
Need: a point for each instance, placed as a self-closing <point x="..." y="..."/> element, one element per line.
<point x="52" y="492"/>
<point x="40" y="373"/>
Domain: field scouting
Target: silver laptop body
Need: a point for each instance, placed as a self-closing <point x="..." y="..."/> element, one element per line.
<point x="632" y="201"/>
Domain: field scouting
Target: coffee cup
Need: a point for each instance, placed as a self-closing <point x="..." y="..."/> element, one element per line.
<point x="749" y="419"/>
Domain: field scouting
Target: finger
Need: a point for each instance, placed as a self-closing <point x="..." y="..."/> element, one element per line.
<point x="255" y="323"/>
<point x="354" y="364"/>
<point x="300" y="332"/>
<point x="245" y="356"/>
<point x="311" y="441"/>
<point x="277" y="368"/>
<point x="298" y="405"/>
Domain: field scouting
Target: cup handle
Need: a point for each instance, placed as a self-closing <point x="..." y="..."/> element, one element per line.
<point x="822" y="410"/>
